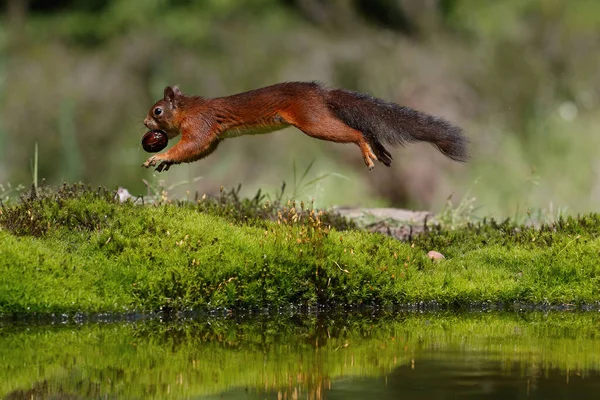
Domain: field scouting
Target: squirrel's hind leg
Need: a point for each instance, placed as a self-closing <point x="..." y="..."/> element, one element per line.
<point x="324" y="126"/>
<point x="367" y="154"/>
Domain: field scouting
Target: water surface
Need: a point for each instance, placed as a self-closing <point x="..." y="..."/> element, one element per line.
<point x="308" y="356"/>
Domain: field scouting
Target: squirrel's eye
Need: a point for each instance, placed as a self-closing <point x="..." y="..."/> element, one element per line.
<point x="157" y="111"/>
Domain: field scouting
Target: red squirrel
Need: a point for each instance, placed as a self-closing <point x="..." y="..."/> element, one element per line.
<point x="336" y="115"/>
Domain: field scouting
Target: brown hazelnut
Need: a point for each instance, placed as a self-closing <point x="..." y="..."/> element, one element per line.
<point x="154" y="141"/>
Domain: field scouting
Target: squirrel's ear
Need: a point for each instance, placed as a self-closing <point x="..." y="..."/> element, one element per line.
<point x="171" y="93"/>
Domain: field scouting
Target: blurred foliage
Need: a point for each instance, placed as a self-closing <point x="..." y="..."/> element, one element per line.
<point x="521" y="77"/>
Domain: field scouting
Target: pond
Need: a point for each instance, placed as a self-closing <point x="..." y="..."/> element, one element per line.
<point x="503" y="355"/>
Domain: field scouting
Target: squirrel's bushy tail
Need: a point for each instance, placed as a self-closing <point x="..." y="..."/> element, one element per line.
<point x="381" y="122"/>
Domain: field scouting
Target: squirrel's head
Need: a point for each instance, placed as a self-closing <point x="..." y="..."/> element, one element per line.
<point x="163" y="114"/>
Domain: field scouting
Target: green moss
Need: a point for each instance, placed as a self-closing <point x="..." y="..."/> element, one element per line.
<point x="79" y="250"/>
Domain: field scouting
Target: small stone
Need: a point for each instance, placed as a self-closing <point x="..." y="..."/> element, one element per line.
<point x="435" y="256"/>
<point x="122" y="194"/>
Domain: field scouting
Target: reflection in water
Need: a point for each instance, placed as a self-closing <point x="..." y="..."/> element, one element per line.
<point x="467" y="376"/>
<point x="337" y="356"/>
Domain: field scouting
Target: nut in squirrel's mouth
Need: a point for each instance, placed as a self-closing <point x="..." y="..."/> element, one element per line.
<point x="155" y="140"/>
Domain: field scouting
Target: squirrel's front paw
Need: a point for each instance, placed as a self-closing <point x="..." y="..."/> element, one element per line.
<point x="162" y="166"/>
<point x="151" y="162"/>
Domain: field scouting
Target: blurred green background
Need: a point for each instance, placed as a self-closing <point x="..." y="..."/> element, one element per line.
<point x="521" y="77"/>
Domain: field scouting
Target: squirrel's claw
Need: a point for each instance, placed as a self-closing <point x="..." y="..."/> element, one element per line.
<point x="163" y="166"/>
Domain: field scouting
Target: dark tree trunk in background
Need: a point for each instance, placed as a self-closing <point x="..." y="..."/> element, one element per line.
<point x="16" y="14"/>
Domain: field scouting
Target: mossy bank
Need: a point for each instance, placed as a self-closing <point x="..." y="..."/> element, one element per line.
<point x="79" y="250"/>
